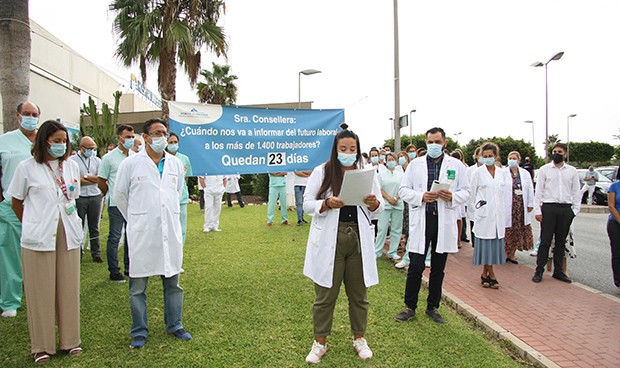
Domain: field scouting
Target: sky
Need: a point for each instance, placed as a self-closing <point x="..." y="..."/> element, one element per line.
<point x="464" y="65"/>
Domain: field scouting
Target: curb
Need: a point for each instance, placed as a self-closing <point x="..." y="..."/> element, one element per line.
<point x="593" y="209"/>
<point x="522" y="349"/>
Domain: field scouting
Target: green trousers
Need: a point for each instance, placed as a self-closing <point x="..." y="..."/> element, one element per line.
<point x="184" y="221"/>
<point x="393" y="219"/>
<point x="10" y="258"/>
<point x="276" y="193"/>
<point x="348" y="268"/>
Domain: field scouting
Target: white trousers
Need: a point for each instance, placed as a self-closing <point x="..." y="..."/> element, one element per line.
<point x="213" y="207"/>
<point x="590" y="189"/>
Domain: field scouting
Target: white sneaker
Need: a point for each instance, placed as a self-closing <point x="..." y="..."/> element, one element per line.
<point x="9" y="313"/>
<point x="395" y="257"/>
<point x="402" y="264"/>
<point x="361" y="347"/>
<point x="427" y="264"/>
<point x="534" y="254"/>
<point x="217" y="229"/>
<point x="206" y="230"/>
<point x="316" y="353"/>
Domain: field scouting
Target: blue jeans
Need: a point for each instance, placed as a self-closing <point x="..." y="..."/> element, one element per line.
<point x="117" y="222"/>
<point x="173" y="304"/>
<point x="299" y="201"/>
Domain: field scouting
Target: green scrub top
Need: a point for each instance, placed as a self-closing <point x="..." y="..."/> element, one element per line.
<point x="108" y="170"/>
<point x="15" y="147"/>
<point x="187" y="168"/>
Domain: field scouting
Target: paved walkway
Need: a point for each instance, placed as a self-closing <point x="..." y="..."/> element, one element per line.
<point x="551" y="323"/>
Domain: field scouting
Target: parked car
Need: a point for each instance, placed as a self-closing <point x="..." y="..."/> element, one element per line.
<point x="600" y="191"/>
<point x="609" y="172"/>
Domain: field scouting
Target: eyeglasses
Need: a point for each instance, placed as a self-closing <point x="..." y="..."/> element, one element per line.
<point x="159" y="134"/>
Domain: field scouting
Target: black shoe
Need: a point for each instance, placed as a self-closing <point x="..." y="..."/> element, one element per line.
<point x="299" y="223"/>
<point x="304" y="221"/>
<point x="513" y="261"/>
<point x="117" y="277"/>
<point x="465" y="240"/>
<point x="435" y="316"/>
<point x="537" y="277"/>
<point x="562" y="277"/>
<point x="405" y="315"/>
<point x="97" y="259"/>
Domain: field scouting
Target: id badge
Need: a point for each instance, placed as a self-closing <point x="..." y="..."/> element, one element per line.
<point x="70" y="207"/>
<point x="518" y="192"/>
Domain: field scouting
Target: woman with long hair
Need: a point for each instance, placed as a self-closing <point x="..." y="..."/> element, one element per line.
<point x="519" y="229"/>
<point x="340" y="245"/>
<point x="44" y="189"/>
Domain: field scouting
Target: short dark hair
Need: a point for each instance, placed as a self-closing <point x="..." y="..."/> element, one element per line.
<point x="436" y="130"/>
<point x="122" y="128"/>
<point x="19" y="107"/>
<point x="490" y="146"/>
<point x="563" y="146"/>
<point x="148" y="123"/>
<point x="39" y="147"/>
<point x="174" y="135"/>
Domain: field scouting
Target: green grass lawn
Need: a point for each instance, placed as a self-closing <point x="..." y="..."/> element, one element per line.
<point x="247" y="304"/>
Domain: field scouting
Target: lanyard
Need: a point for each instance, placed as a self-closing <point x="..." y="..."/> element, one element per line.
<point x="60" y="181"/>
<point x="84" y="162"/>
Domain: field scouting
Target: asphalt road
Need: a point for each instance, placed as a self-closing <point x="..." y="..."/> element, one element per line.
<point x="592" y="267"/>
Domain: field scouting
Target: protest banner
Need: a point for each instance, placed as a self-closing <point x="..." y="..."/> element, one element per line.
<point x="223" y="140"/>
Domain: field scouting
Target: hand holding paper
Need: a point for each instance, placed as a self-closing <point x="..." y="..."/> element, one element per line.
<point x="356" y="185"/>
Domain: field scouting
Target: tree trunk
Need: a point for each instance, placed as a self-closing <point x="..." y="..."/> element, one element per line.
<point x="14" y="58"/>
<point x="167" y="79"/>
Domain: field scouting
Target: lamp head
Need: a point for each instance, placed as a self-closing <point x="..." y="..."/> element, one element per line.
<point x="557" y="56"/>
<point x="412" y="110"/>
<point x="529" y="122"/>
<point x="309" y="71"/>
<point x="572" y="115"/>
<point x="537" y="64"/>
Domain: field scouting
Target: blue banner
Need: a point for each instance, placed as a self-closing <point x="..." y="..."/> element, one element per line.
<point x="222" y="140"/>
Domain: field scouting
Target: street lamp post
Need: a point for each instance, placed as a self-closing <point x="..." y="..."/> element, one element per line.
<point x="568" y="136"/>
<point x="557" y="56"/>
<point x="533" y="144"/>
<point x="396" y="121"/>
<point x="457" y="137"/>
<point x="411" y="126"/>
<point x="304" y="72"/>
<point x="391" y="129"/>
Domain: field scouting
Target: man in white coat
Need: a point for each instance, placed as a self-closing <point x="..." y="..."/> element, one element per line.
<point x="432" y="219"/>
<point x="148" y="190"/>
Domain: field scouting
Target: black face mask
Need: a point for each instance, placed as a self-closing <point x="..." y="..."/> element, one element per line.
<point x="557" y="158"/>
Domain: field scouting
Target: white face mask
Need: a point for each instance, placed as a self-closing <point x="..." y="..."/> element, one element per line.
<point x="159" y="144"/>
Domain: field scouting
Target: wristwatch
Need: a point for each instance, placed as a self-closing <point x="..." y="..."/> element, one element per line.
<point x="86" y="176"/>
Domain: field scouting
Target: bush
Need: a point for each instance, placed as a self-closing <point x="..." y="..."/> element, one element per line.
<point x="261" y="186"/>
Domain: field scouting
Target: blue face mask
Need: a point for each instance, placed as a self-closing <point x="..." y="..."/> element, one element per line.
<point x="434" y="150"/>
<point x="489" y="161"/>
<point x="481" y="160"/>
<point x="382" y="157"/>
<point x="391" y="164"/>
<point x="347" y="159"/>
<point x="374" y="159"/>
<point x="402" y="161"/>
<point x="512" y="163"/>
<point x="128" y="143"/>
<point x="412" y="155"/>
<point x="29" y="123"/>
<point x="89" y="153"/>
<point x="159" y="144"/>
<point x="57" y="150"/>
<point x="173" y="148"/>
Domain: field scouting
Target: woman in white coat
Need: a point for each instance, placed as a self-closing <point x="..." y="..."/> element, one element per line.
<point x="340" y="245"/>
<point x="518" y="225"/>
<point x="490" y="192"/>
<point x="44" y="189"/>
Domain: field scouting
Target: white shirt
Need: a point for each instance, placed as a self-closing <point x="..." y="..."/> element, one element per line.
<point x="44" y="203"/>
<point x="150" y="204"/>
<point x="214" y="184"/>
<point x="301" y="181"/>
<point x="232" y="183"/>
<point x="88" y="166"/>
<point x="557" y="185"/>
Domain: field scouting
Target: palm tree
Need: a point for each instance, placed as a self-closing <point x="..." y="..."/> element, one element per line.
<point x="165" y="32"/>
<point x="220" y="88"/>
<point x="14" y="58"/>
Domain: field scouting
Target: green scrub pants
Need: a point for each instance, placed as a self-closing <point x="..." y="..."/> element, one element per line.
<point x="395" y="217"/>
<point x="10" y="258"/>
<point x="184" y="220"/>
<point x="276" y="193"/>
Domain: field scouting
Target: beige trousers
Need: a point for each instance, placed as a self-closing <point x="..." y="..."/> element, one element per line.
<point x="52" y="289"/>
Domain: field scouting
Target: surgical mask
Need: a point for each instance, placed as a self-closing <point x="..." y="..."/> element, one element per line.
<point x="159" y="144"/>
<point x="89" y="153"/>
<point x="140" y="148"/>
<point x="489" y="161"/>
<point x="347" y="159"/>
<point x="382" y="157"/>
<point x="391" y="164"/>
<point x="412" y="155"/>
<point x="434" y="150"/>
<point x="128" y="143"/>
<point x="402" y="161"/>
<point x="29" y="123"/>
<point x="374" y="159"/>
<point x="557" y="158"/>
<point x="173" y="147"/>
<point x="512" y="163"/>
<point x="481" y="160"/>
<point x="57" y="150"/>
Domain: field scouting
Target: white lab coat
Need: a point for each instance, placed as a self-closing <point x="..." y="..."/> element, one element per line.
<point x="470" y="172"/>
<point x="412" y="190"/>
<point x="150" y="205"/>
<point x="321" y="247"/>
<point x="489" y="196"/>
<point x="232" y="184"/>
<point x="527" y="187"/>
<point x="44" y="201"/>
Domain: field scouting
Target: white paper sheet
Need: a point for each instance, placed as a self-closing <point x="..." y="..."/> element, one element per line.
<point x="356" y="185"/>
<point x="437" y="186"/>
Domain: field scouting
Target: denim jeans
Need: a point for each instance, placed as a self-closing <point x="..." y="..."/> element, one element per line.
<point x="173" y="304"/>
<point x="117" y="222"/>
<point x="299" y="201"/>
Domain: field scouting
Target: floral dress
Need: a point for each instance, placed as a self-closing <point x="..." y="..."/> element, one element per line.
<point x="519" y="236"/>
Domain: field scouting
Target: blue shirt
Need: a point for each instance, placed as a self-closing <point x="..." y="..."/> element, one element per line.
<point x="615" y="188"/>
